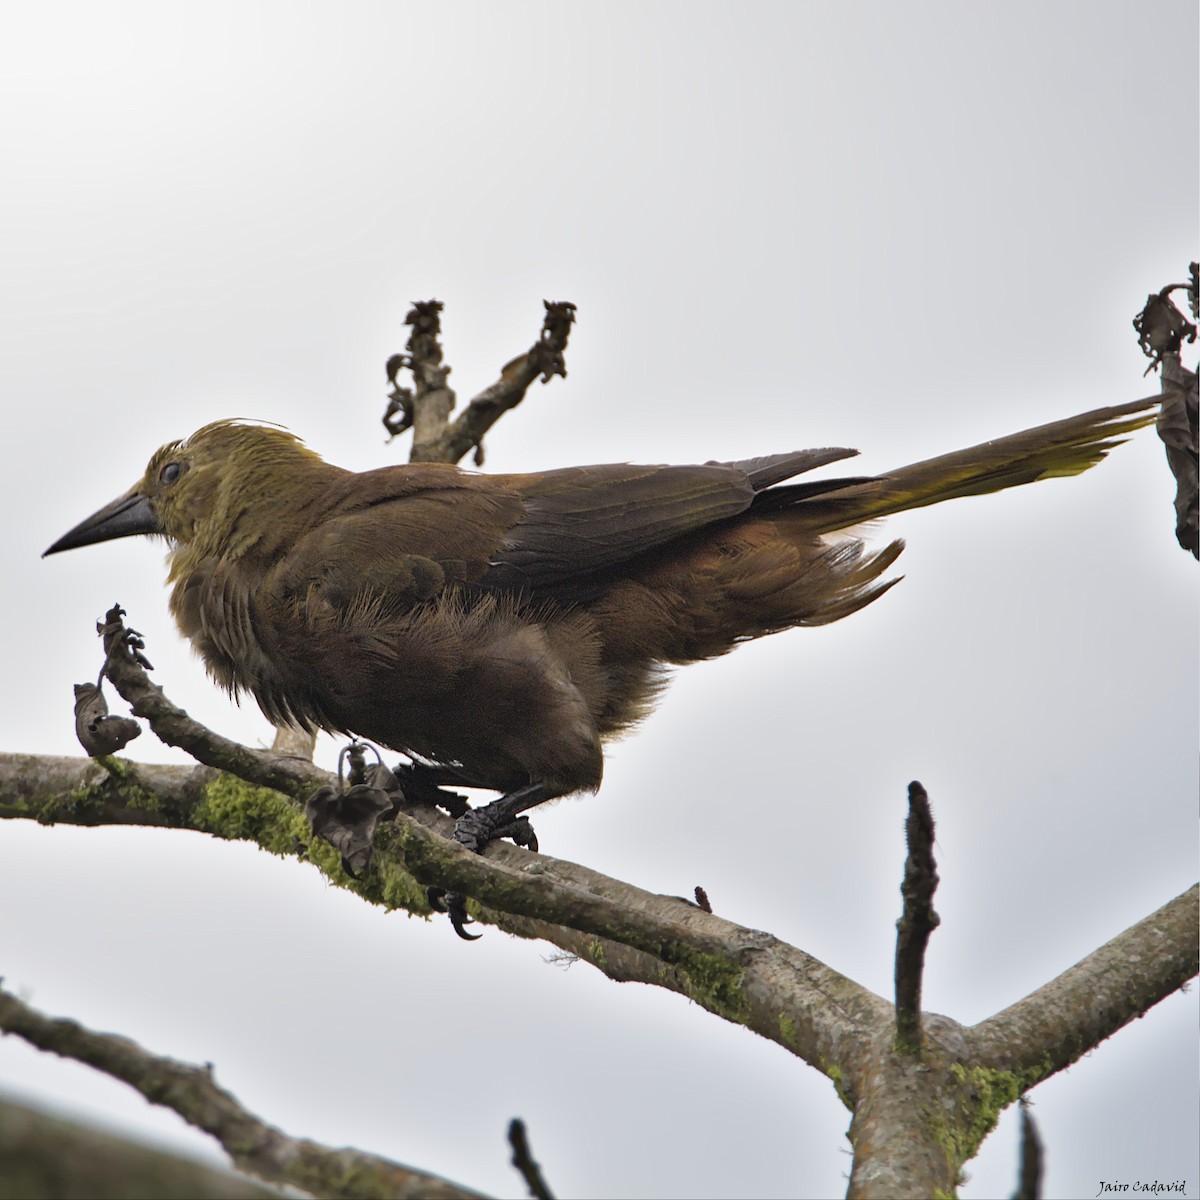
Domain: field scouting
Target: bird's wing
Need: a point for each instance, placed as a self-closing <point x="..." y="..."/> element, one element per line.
<point x="410" y="532"/>
<point x="404" y="533"/>
<point x="582" y="522"/>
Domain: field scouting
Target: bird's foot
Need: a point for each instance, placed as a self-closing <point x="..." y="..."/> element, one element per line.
<point x="478" y="826"/>
<point x="474" y="829"/>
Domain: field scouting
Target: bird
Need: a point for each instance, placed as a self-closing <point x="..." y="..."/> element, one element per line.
<point x="499" y="629"/>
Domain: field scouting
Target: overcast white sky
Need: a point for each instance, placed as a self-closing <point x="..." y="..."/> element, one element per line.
<point x="903" y="227"/>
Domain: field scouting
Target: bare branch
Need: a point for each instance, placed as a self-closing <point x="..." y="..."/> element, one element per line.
<point x="253" y="1145"/>
<point x="525" y="1163"/>
<point x="45" y="1156"/>
<point x="912" y="1123"/>
<point x="426" y="406"/>
<point x="917" y="1116"/>
<point x="432" y="396"/>
<point x="1179" y="428"/>
<point x="544" y="358"/>
<point x="1055" y="1026"/>
<point x="1029" y="1185"/>
<point x="917" y="920"/>
<point x="291" y="742"/>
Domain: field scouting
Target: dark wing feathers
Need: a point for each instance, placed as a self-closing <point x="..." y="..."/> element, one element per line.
<point x="769" y="469"/>
<point x="584" y="521"/>
<point x="378" y="526"/>
<point x="555" y="533"/>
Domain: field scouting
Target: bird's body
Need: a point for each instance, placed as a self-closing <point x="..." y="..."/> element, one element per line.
<point x="504" y="626"/>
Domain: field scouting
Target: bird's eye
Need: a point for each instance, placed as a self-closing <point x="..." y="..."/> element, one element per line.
<point x="170" y="473"/>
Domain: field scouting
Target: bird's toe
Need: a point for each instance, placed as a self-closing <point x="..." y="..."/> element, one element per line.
<point x="454" y="905"/>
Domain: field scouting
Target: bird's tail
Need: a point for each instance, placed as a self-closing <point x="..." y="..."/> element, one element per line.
<point x="793" y="557"/>
<point x="1066" y="447"/>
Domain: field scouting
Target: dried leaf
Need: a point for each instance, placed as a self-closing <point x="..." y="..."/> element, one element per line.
<point x="347" y="821"/>
<point x="98" y="733"/>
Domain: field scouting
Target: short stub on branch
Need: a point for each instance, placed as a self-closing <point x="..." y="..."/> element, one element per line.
<point x="917" y="919"/>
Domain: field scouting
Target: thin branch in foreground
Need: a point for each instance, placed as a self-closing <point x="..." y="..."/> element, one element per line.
<point x="1029" y="1184"/>
<point x="525" y="1163"/>
<point x="917" y="920"/>
<point x="45" y="1155"/>
<point x="253" y="1145"/>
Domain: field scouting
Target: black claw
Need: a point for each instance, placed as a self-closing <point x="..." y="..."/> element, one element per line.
<point x="458" y="917"/>
<point x="455" y="906"/>
<point x="522" y="834"/>
<point x="519" y="831"/>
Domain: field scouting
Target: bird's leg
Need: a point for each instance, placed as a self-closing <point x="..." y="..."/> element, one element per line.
<point x="421" y="784"/>
<point x="474" y="829"/>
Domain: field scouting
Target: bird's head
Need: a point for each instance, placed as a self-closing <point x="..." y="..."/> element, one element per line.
<point x="198" y="492"/>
